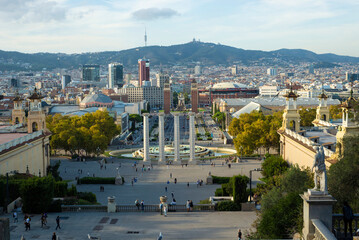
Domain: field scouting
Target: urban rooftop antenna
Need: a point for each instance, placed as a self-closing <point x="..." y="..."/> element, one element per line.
<point x="145" y="38"/>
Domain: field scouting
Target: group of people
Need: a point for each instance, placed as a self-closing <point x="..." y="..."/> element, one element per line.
<point x="199" y="183"/>
<point x="189" y="206"/>
<point x="43" y="219"/>
<point x="139" y="205"/>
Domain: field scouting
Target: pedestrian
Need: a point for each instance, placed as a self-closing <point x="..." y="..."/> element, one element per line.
<point x="191" y="205"/>
<point x="187" y="206"/>
<point x="42" y="220"/>
<point x="173" y="195"/>
<point x="348" y="218"/>
<point x="166" y="189"/>
<point x="239" y="234"/>
<point x="161" y="208"/>
<point x="143" y="205"/>
<point x="15" y="217"/>
<point x="187" y="184"/>
<point x="27" y="224"/>
<point x="88" y="173"/>
<point x="137" y="204"/>
<point x="170" y="175"/>
<point x="54" y="236"/>
<point x="165" y="210"/>
<point x="175" y="180"/>
<point x="160" y="236"/>
<point x="132" y="182"/>
<point x="58" y="222"/>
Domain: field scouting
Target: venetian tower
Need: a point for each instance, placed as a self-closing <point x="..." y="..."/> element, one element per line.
<point x="18" y="113"/>
<point x="36" y="119"/>
<point x="348" y="129"/>
<point x="291" y="117"/>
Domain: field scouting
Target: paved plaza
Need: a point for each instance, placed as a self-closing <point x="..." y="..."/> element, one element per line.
<point x="149" y="186"/>
<point x="192" y="225"/>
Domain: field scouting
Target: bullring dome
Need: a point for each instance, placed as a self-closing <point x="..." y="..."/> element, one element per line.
<point x="96" y="100"/>
<point x="225" y="85"/>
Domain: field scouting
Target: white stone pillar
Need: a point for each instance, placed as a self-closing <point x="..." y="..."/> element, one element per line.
<point x="146" y="138"/>
<point x="176" y="137"/>
<point x="192" y="137"/>
<point x="161" y="137"/>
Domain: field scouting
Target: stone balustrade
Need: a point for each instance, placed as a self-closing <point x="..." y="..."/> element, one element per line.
<point x="20" y="140"/>
<point x="326" y="124"/>
<point x="307" y="141"/>
<point x="338" y="224"/>
<point x="321" y="231"/>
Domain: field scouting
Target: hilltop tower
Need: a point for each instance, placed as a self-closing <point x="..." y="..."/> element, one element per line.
<point x="18" y="113"/>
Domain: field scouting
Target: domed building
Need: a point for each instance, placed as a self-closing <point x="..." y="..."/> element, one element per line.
<point x="229" y="85"/>
<point x="96" y="100"/>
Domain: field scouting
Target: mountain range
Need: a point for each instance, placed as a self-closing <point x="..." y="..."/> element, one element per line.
<point x="184" y="54"/>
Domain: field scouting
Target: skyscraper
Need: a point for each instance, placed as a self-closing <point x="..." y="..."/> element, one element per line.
<point x="91" y="72"/>
<point x="272" y="71"/>
<point x="66" y="79"/>
<point x="143" y="72"/>
<point x="115" y="75"/>
<point x="161" y="79"/>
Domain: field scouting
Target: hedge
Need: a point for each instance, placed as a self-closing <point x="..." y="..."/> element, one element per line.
<point x="228" y="206"/>
<point x="220" y="180"/>
<point x="97" y="180"/>
<point x="60" y="189"/>
<point x="88" y="196"/>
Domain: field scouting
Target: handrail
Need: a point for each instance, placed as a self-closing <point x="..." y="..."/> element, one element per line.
<point x="321" y="231"/>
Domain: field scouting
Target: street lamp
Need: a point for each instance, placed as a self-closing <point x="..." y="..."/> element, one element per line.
<point x="250" y="181"/>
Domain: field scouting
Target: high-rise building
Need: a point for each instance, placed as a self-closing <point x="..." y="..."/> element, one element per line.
<point x="14" y="83"/>
<point x="272" y="71"/>
<point x="91" y="73"/>
<point x="234" y="70"/>
<point x="115" y="75"/>
<point x="194" y="96"/>
<point x="167" y="97"/>
<point x="161" y="79"/>
<point x="143" y="72"/>
<point x="311" y="69"/>
<point x="65" y="80"/>
<point x="197" y="70"/>
<point x="351" y="76"/>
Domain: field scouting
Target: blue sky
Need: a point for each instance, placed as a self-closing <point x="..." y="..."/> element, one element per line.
<point x="89" y="26"/>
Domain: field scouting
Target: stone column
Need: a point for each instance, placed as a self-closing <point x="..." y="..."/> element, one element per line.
<point x="192" y="137"/>
<point x="161" y="137"/>
<point x="176" y="129"/>
<point x="146" y="138"/>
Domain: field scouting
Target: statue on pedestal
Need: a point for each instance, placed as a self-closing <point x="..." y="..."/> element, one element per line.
<point x="320" y="173"/>
<point x="118" y="179"/>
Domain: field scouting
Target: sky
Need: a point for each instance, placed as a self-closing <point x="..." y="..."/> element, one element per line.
<point x="76" y="26"/>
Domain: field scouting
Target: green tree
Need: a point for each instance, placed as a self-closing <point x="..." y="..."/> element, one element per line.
<point x="281" y="212"/>
<point x="273" y="166"/>
<point x="335" y="111"/>
<point x="175" y="98"/>
<point x="307" y="116"/>
<point x="343" y="180"/>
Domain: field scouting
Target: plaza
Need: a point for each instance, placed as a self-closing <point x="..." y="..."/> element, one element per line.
<point x="150" y="185"/>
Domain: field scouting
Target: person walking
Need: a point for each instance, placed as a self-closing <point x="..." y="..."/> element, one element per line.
<point x="27" y="224"/>
<point x="187" y="205"/>
<point x="348" y="219"/>
<point x="191" y="205"/>
<point x="187" y="184"/>
<point x="165" y="210"/>
<point x="54" y="237"/>
<point x="15" y="217"/>
<point x="137" y="203"/>
<point x="239" y="234"/>
<point x="58" y="222"/>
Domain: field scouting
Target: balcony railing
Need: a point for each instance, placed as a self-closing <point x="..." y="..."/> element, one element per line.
<point x="338" y="224"/>
<point x="133" y="208"/>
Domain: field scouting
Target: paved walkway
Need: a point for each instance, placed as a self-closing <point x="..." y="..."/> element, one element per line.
<point x="193" y="225"/>
<point x="151" y="184"/>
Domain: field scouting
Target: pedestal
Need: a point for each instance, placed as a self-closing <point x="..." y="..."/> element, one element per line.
<point x="4" y="228"/>
<point x="316" y="205"/>
<point x="209" y="180"/>
<point x="111" y="204"/>
<point x="118" y="180"/>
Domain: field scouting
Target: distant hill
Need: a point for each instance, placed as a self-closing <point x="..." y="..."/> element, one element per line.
<point x="188" y="53"/>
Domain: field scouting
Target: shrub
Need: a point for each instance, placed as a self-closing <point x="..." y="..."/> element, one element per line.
<point x="239" y="184"/>
<point x="72" y="191"/>
<point x="55" y="206"/>
<point x="227" y="206"/>
<point x="60" y="189"/>
<point x="37" y="194"/>
<point x="88" y="196"/>
<point x="218" y="192"/>
<point x="209" y="138"/>
<point x="97" y="180"/>
<point x="220" y="180"/>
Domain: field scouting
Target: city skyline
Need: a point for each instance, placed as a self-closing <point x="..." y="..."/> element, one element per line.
<point x="75" y="26"/>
